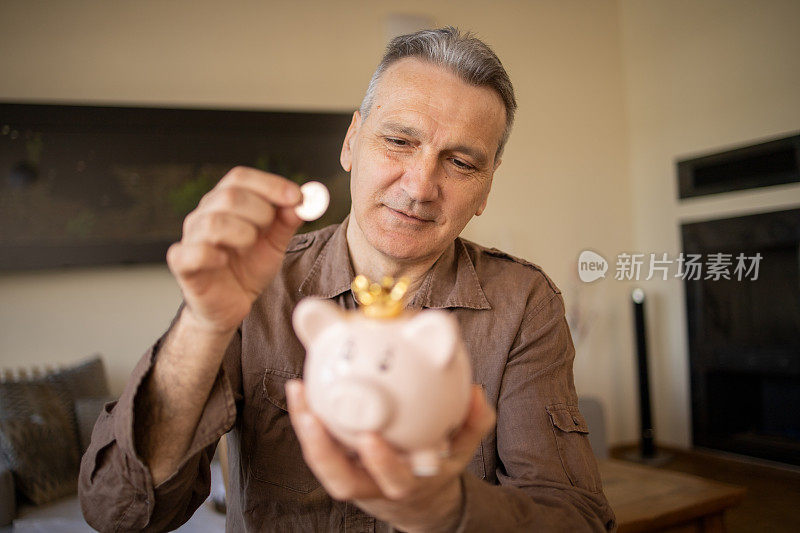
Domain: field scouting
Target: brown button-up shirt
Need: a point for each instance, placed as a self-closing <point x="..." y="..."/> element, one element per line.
<point x="536" y="471"/>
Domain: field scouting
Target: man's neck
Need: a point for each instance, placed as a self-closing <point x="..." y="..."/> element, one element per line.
<point x="375" y="265"/>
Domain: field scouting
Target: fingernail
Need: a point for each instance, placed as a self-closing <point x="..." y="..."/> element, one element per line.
<point x="292" y="194"/>
<point x="292" y="390"/>
<point x="222" y="258"/>
<point x="367" y="439"/>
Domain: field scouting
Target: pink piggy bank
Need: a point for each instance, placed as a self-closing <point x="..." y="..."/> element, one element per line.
<point x="406" y="378"/>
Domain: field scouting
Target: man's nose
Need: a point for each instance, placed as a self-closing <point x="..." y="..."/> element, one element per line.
<point x="421" y="179"/>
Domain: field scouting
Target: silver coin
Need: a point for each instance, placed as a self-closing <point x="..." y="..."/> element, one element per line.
<point x="315" y="201"/>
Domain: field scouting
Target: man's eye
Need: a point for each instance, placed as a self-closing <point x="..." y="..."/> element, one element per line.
<point x="462" y="165"/>
<point x="397" y="142"/>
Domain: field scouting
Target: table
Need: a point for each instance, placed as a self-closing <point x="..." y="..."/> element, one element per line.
<point x="654" y="500"/>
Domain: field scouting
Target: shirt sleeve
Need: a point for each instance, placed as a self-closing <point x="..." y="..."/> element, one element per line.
<point x="115" y="487"/>
<point x="548" y="475"/>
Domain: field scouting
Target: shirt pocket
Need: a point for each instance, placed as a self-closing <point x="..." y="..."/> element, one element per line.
<point x="277" y="456"/>
<point x="572" y="439"/>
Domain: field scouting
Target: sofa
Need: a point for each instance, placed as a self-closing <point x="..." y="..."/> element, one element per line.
<point x="46" y="421"/>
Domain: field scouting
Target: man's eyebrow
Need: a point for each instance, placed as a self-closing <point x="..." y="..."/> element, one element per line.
<point x="475" y="153"/>
<point x="396" y="127"/>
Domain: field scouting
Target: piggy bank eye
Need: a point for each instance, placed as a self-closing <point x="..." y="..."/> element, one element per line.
<point x="347" y="350"/>
<point x="386" y="360"/>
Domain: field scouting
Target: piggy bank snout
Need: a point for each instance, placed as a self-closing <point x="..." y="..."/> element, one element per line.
<point x="358" y="405"/>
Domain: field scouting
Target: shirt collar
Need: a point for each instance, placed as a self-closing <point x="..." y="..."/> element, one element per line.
<point x="332" y="272"/>
<point x="451" y="282"/>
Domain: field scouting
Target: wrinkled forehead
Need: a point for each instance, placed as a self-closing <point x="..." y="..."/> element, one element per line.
<point x="416" y="90"/>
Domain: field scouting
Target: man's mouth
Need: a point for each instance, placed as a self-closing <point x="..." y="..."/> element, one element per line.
<point x="405" y="215"/>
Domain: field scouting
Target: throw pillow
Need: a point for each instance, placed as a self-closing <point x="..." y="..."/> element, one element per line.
<point x="86" y="379"/>
<point x="38" y="438"/>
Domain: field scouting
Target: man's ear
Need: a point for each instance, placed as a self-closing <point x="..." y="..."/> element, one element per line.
<point x="346" y="157"/>
<point x="482" y="207"/>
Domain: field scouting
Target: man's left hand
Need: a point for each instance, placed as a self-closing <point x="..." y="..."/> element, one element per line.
<point x="379" y="477"/>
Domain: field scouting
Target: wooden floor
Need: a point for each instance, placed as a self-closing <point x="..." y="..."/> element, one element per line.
<point x="772" y="502"/>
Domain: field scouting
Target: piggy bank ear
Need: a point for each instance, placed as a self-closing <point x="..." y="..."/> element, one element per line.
<point x="433" y="333"/>
<point x="312" y="316"/>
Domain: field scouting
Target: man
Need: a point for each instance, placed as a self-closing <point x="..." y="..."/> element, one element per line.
<point x="422" y="151"/>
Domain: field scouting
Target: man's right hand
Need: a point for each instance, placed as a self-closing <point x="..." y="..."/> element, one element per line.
<point x="233" y="245"/>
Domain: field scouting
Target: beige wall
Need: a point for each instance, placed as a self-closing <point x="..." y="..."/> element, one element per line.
<point x="570" y="179"/>
<point x="700" y="77"/>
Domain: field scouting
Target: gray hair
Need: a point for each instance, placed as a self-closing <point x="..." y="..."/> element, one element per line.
<point x="467" y="56"/>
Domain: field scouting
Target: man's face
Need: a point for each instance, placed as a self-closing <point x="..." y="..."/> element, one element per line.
<point x="422" y="161"/>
